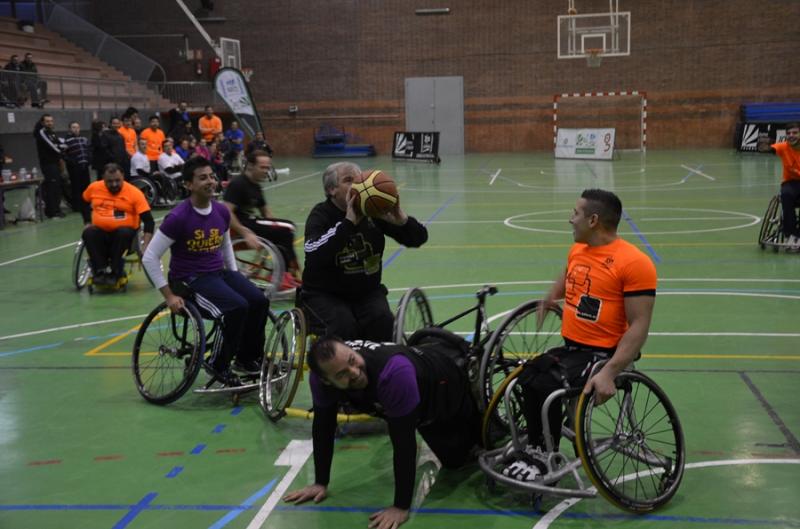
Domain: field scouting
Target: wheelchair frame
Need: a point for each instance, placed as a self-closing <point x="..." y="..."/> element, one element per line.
<point x="158" y="186"/>
<point x="82" y="269"/>
<point x="771" y="232"/>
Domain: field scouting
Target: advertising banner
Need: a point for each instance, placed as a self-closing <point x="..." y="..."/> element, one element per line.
<point x="592" y="144"/>
<point x="232" y="88"/>
<point x="416" y="146"/>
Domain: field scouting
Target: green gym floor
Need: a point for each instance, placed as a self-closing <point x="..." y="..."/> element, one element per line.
<point x="79" y="448"/>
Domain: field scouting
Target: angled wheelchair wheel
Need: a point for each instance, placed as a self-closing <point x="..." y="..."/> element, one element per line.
<point x="631" y="446"/>
<point x="496" y="432"/>
<point x="515" y="341"/>
<point x="282" y="367"/>
<point x="263" y="266"/>
<point x="167" y="353"/>
<point x="413" y="313"/>
<point x="771" y="233"/>
<point x="148" y="189"/>
<point x="81" y="266"/>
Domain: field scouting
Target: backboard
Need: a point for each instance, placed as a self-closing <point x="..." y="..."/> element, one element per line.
<point x="608" y="32"/>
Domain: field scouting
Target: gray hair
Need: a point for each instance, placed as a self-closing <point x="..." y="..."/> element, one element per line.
<point x="330" y="178"/>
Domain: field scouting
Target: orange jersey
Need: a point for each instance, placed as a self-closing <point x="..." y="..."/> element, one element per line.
<point x="791" y="160"/>
<point x="155" y="141"/>
<point x="110" y="212"/>
<point x="209" y="127"/>
<point x="597" y="281"/>
<point x="129" y="135"/>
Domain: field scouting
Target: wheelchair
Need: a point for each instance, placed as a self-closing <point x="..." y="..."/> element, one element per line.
<point x="170" y="348"/>
<point x="82" y="266"/>
<point x="160" y="190"/>
<point x="771" y="232"/>
<point x="631" y="447"/>
<point x="263" y="266"/>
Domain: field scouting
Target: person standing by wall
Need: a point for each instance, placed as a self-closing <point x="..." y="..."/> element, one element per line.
<point x="50" y="149"/>
<point x="78" y="156"/>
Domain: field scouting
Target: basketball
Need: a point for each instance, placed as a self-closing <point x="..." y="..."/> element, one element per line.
<point x="377" y="193"/>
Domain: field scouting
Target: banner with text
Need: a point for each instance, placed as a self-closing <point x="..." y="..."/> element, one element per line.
<point x="751" y="137"/>
<point x="416" y="146"/>
<point x="231" y="86"/>
<point x="593" y="144"/>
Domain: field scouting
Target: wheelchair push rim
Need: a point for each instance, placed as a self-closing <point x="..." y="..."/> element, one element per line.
<point x="282" y="367"/>
<point x="413" y="313"/>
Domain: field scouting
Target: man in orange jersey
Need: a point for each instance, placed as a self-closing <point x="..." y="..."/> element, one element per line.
<point x="117" y="210"/>
<point x="789" y="152"/>
<point x="155" y="141"/>
<point x="128" y="134"/>
<point x="209" y="125"/>
<point x="609" y="289"/>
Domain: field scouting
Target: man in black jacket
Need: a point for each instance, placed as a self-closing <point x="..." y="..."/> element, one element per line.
<point x="113" y="146"/>
<point x="78" y="156"/>
<point x="422" y="388"/>
<point x="342" y="289"/>
<point x="50" y="149"/>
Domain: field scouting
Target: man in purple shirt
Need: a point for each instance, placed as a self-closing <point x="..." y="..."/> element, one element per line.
<point x="422" y="388"/>
<point x="201" y="258"/>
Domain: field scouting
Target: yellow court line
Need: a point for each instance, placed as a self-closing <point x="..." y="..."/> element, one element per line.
<point x="299" y="239"/>
<point x="112" y="341"/>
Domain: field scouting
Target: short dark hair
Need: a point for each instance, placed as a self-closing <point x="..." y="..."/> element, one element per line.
<point x="112" y="168"/>
<point x="41" y="119"/>
<point x="605" y="204"/>
<point x="151" y="118"/>
<point x="71" y="123"/>
<point x="253" y="155"/>
<point x="208" y="106"/>
<point x="321" y="351"/>
<point x="191" y="166"/>
<point x="792" y="125"/>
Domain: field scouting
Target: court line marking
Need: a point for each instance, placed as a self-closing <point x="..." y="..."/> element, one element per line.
<point x="545" y="521"/>
<point x="641" y="236"/>
<point x="293" y="180"/>
<point x="792" y="441"/>
<point x="494" y="177"/>
<point x="246" y="504"/>
<point x="698" y="171"/>
<point x="95" y="351"/>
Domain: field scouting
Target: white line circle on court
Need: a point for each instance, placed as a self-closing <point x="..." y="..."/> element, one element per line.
<point x="750" y="220"/>
<point x="551" y="516"/>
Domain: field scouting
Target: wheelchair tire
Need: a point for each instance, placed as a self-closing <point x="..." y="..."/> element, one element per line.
<point x="413" y="313"/>
<point x="515" y="341"/>
<point x="148" y="189"/>
<point x="282" y="367"/>
<point x="771" y="231"/>
<point x="495" y="432"/>
<point x="81" y="266"/>
<point x="263" y="266"/>
<point x="632" y="446"/>
<point x="176" y="345"/>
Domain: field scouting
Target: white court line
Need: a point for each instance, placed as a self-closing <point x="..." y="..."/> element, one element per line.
<point x="67" y="327"/>
<point x="695" y="171"/>
<point x="545" y="521"/>
<point x="494" y="177"/>
<point x="295" y="180"/>
<point x="294" y="456"/>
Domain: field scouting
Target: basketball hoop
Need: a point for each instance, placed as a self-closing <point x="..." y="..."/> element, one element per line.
<point x="593" y="57"/>
<point x="247" y="73"/>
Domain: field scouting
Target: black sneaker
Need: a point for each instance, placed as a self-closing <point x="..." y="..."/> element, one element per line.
<point x="248" y="367"/>
<point x="226" y="377"/>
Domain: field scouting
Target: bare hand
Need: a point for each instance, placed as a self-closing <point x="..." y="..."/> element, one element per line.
<point x="251" y="239"/>
<point x="389" y="518"/>
<point x="603" y="386"/>
<point x="175" y="303"/>
<point x="312" y="492"/>
<point x="352" y="215"/>
<point x="395" y="215"/>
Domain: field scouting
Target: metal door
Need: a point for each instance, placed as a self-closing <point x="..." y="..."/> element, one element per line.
<point x="437" y="104"/>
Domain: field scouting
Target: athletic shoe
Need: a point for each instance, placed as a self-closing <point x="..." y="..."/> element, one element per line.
<point x="225" y="377"/>
<point x="530" y="467"/>
<point x="247" y="367"/>
<point x="793" y="244"/>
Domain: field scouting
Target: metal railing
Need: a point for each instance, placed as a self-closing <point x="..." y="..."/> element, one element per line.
<point x="64" y="91"/>
<point x="99" y="43"/>
<point x="194" y="93"/>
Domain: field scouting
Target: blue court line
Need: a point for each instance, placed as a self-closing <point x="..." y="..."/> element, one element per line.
<point x="197" y="449"/>
<point x="690" y="173"/>
<point x="120" y="507"/>
<point x="436" y="213"/>
<point x="246" y="504"/>
<point x="237" y="410"/>
<point x="135" y="510"/>
<point x="174" y="472"/>
<point x="29" y="349"/>
<point x="218" y="428"/>
<point x="641" y="236"/>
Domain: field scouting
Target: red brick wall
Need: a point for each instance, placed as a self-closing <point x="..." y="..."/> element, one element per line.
<point x="344" y="62"/>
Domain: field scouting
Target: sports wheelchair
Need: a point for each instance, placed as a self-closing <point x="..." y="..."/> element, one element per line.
<point x="771" y="232"/>
<point x="631" y="447"/>
<point x="160" y="190"/>
<point x="82" y="266"/>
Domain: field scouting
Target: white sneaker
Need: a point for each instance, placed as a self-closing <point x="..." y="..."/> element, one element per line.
<point x="522" y="471"/>
<point x="793" y="243"/>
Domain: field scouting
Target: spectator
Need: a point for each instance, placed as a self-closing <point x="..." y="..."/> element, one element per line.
<point x="140" y="165"/>
<point x="183" y="149"/>
<point x="50" y="149"/>
<point x="136" y="123"/>
<point x="210" y="125"/>
<point x="258" y="144"/>
<point x="128" y="134"/>
<point x="37" y="88"/>
<point x="113" y="145"/>
<point x="201" y="149"/>
<point x="217" y="162"/>
<point x="170" y="164"/>
<point x="78" y="157"/>
<point x="98" y="154"/>
<point x="155" y="140"/>
<point x="235" y="136"/>
<point x="14" y="82"/>
<point x="178" y="119"/>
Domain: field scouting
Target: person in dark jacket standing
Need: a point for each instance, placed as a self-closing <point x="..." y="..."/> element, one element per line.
<point x="78" y="157"/>
<point x="50" y="149"/>
<point x="342" y="287"/>
<point x="113" y="146"/>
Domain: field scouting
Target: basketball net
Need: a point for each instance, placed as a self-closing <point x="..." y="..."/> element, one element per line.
<point x="593" y="57"/>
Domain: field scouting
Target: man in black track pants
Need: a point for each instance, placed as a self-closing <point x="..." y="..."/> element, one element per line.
<point x="51" y="153"/>
<point x="422" y="388"/>
<point x="342" y="289"/>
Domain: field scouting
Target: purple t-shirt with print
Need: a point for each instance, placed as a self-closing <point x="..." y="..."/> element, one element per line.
<point x="198" y="239"/>
<point x="397" y="391"/>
